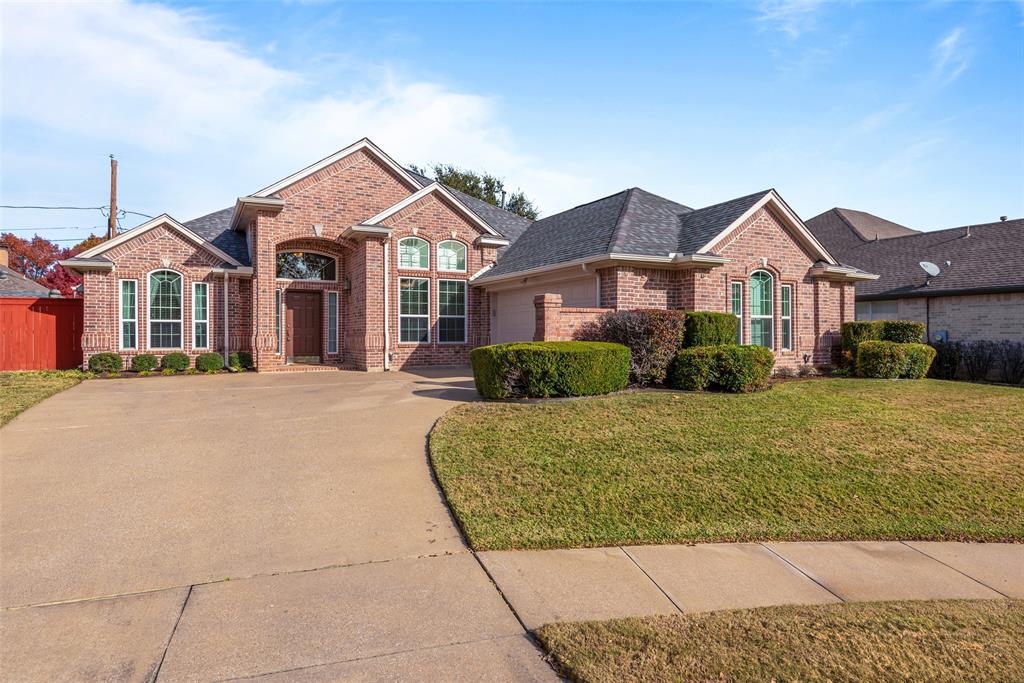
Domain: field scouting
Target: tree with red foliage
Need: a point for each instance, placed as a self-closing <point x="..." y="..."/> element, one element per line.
<point x="37" y="260"/>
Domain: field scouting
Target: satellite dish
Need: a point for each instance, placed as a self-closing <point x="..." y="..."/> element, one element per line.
<point x="929" y="268"/>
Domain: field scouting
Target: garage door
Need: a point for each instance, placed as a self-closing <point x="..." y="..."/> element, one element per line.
<point x="513" y="317"/>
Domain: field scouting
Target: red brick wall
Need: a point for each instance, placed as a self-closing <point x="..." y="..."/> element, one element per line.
<point x="558" y="323"/>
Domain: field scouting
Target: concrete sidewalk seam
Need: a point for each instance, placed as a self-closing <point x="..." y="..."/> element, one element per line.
<point x="802" y="572"/>
<point x="174" y="629"/>
<point x="958" y="571"/>
<point x="650" y="578"/>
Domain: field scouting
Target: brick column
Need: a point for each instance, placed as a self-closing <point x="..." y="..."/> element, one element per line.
<point x="548" y="307"/>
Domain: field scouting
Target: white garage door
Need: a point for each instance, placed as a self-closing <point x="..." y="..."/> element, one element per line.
<point x="513" y="317"/>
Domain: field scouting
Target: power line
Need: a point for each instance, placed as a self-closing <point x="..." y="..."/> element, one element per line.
<point x="55" y="208"/>
<point x="59" y="227"/>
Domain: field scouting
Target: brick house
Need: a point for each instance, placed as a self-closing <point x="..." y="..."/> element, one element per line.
<point x="977" y="295"/>
<point x="357" y="262"/>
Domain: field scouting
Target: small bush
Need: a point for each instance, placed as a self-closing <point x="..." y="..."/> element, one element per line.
<point x="106" y="362"/>
<point x="725" y="367"/>
<point x="947" y="360"/>
<point x="1010" y="358"/>
<point x="168" y="371"/>
<point x="978" y="359"/>
<point x="892" y="360"/>
<point x="176" y="361"/>
<point x="900" y="331"/>
<point x="853" y="333"/>
<point x="144" y="362"/>
<point x="653" y="338"/>
<point x="209" y="362"/>
<point x="543" y="369"/>
<point x="240" y="359"/>
<point x="785" y="372"/>
<point x="704" y="328"/>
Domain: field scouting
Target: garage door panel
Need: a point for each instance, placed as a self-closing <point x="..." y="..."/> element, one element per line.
<point x="514" y="317"/>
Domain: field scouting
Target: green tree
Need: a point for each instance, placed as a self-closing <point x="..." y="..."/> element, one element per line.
<point x="482" y="186"/>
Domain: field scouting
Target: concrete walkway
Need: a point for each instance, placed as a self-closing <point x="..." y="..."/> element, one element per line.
<point x="604" y="583"/>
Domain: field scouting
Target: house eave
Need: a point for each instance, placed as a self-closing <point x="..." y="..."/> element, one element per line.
<point x="363" y="230"/>
<point x="81" y="265"/>
<point x="247" y="207"/>
<point x="842" y="274"/>
<point x="678" y="261"/>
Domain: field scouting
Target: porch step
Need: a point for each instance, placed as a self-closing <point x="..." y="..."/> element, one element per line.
<point x="300" y="367"/>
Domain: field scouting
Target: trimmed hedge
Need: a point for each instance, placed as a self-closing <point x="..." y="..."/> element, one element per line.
<point x="240" y="359"/>
<point x="106" y="362"/>
<point x="704" y="328"/>
<point x="900" y="331"/>
<point x="144" y="362"/>
<point x="892" y="360"/>
<point x="856" y="331"/>
<point x="543" y="369"/>
<point x="209" y="362"/>
<point x="653" y="337"/>
<point x="176" y="361"/>
<point x="726" y="367"/>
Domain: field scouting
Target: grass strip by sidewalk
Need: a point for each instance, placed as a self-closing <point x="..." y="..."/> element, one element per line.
<point x="865" y="642"/>
<point x="841" y="459"/>
<point x="19" y="391"/>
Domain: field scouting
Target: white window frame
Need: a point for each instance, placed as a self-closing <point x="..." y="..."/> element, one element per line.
<point x="399" y="253"/>
<point x="413" y="315"/>
<point x="332" y="327"/>
<point x="465" y="256"/>
<point x="149" y="313"/>
<point x="771" y="314"/>
<point x="732" y="307"/>
<point x="334" y="258"/>
<point x="464" y="316"/>
<point x="278" y="320"/>
<point x="785" y="321"/>
<point x="121" y="320"/>
<point x="206" y="320"/>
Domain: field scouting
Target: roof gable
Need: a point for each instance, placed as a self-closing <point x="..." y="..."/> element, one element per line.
<point x="434" y="188"/>
<point x="165" y="220"/>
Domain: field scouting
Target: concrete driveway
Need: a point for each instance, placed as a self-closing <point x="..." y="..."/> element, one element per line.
<point x="209" y="528"/>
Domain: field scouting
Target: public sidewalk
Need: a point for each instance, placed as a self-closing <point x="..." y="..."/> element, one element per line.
<point x="605" y="583"/>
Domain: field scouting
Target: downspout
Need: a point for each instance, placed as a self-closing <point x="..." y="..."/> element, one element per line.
<point x="928" y="319"/>
<point x="227" y="336"/>
<point x="387" y="318"/>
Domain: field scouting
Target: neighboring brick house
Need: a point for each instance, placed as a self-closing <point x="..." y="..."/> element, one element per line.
<point x="357" y="262"/>
<point x="977" y="295"/>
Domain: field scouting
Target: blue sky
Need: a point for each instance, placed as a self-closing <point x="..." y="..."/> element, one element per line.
<point x="912" y="111"/>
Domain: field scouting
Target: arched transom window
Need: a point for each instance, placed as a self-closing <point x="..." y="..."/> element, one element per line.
<point x="413" y="253"/>
<point x="164" y="310"/>
<point x="305" y="265"/>
<point x="451" y="256"/>
<point x="762" y="309"/>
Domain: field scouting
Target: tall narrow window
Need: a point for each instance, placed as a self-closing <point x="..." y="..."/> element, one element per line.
<point x="786" y="316"/>
<point x="451" y="256"/>
<point x="413" y="253"/>
<point x="165" y="310"/>
<point x="413" y="310"/>
<point x="200" y="316"/>
<point x="129" y="314"/>
<point x="277" y="319"/>
<point x="737" y="309"/>
<point x="451" y="311"/>
<point x="762" y="309"/>
<point x="332" y="322"/>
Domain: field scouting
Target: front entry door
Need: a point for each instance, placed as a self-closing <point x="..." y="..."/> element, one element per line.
<point x="303" y="328"/>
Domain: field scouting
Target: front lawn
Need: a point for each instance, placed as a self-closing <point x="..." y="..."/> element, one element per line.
<point x="22" y="390"/>
<point x="814" y="460"/>
<point x="907" y="641"/>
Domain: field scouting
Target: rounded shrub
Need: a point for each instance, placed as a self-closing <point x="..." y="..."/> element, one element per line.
<point x="543" y="369"/>
<point x="653" y="337"/>
<point x="724" y="367"/>
<point x="694" y="369"/>
<point x="892" y="360"/>
<point x="900" y="331"/>
<point x="106" y="362"/>
<point x="705" y="328"/>
<point x="209" y="362"/>
<point x="144" y="362"/>
<point x="240" y="359"/>
<point x="176" y="362"/>
<point x="856" y="331"/>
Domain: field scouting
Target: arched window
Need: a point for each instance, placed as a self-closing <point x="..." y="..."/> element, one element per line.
<point x="762" y="309"/>
<point x="305" y="265"/>
<point x="413" y="253"/>
<point x="165" y="309"/>
<point x="451" y="256"/>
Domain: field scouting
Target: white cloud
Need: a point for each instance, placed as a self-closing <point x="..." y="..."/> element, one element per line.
<point x="210" y="121"/>
<point x="793" y="17"/>
<point x="950" y="56"/>
<point x="883" y="117"/>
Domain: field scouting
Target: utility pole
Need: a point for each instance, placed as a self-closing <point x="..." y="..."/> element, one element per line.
<point x="112" y="218"/>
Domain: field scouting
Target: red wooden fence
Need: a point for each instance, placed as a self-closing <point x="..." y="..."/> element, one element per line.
<point x="40" y="334"/>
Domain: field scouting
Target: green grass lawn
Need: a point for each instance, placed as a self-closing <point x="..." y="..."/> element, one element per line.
<point x="904" y="641"/>
<point x="815" y="460"/>
<point x="20" y="391"/>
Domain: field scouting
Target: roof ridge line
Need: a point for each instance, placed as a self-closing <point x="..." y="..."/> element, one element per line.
<point x="613" y="239"/>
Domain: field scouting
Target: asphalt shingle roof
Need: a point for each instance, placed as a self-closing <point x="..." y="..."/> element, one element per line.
<point x="990" y="259"/>
<point x="216" y="228"/>
<point x="13" y="283"/>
